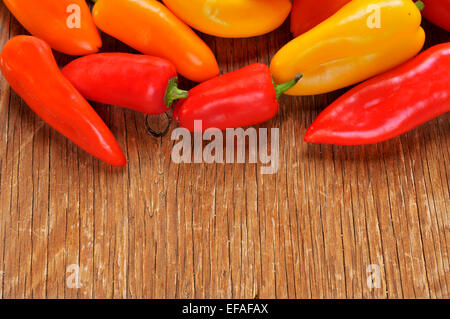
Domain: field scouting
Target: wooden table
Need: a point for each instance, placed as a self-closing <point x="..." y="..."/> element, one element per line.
<point x="160" y="230"/>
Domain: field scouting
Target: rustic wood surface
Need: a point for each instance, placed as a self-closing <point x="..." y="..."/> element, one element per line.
<point x="159" y="230"/>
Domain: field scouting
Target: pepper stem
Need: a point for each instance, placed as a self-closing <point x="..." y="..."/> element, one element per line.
<point x="281" y="88"/>
<point x="174" y="93"/>
<point x="420" y="5"/>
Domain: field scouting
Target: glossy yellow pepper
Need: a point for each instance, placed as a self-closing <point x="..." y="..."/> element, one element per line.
<point x="363" y="39"/>
<point x="231" y="18"/>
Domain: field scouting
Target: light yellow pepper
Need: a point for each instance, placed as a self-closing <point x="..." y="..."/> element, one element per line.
<point x="363" y="39"/>
<point x="231" y="18"/>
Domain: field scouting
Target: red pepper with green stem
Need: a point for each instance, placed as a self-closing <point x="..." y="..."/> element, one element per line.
<point x="237" y="99"/>
<point x="142" y="83"/>
<point x="390" y="104"/>
<point x="28" y="65"/>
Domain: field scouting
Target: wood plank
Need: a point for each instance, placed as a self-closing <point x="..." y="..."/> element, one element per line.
<point x="156" y="229"/>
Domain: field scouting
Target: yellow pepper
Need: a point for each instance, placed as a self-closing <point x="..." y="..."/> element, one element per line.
<point x="363" y="39"/>
<point x="231" y="18"/>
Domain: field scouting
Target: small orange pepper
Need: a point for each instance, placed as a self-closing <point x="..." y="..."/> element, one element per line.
<point x="149" y="27"/>
<point x="66" y="25"/>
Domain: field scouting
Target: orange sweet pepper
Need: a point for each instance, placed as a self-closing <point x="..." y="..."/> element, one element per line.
<point x="66" y="25"/>
<point x="232" y="18"/>
<point x="28" y="64"/>
<point x="149" y="27"/>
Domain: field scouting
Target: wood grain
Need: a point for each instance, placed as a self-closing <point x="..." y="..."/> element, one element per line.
<point x="156" y="229"/>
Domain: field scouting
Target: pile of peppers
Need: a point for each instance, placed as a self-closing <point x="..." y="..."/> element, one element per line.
<point x="373" y="44"/>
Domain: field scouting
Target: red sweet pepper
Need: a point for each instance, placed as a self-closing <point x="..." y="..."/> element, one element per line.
<point x="438" y="12"/>
<point x="28" y="65"/>
<point x="390" y="104"/>
<point x="240" y="98"/>
<point x="306" y="14"/>
<point x="142" y="83"/>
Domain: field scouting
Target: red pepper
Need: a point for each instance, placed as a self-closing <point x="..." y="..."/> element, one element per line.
<point x="142" y="83"/>
<point x="306" y="14"/>
<point x="438" y="12"/>
<point x="390" y="104"/>
<point x="240" y="98"/>
<point x="29" y="66"/>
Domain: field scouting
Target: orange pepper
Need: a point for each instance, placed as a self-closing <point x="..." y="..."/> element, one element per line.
<point x="149" y="27"/>
<point x="57" y="23"/>
<point x="27" y="63"/>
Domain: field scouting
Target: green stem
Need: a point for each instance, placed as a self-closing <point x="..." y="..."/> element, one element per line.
<point x="281" y="88"/>
<point x="420" y="5"/>
<point x="174" y="93"/>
